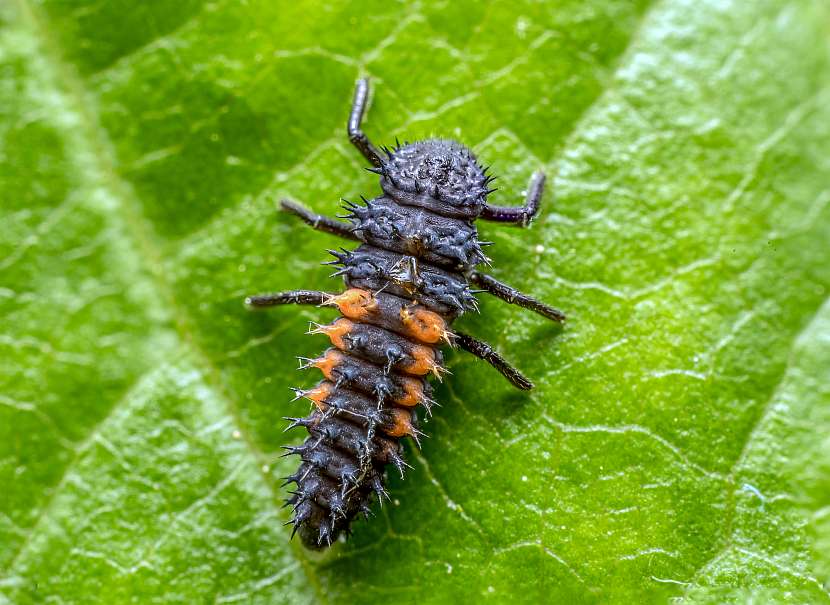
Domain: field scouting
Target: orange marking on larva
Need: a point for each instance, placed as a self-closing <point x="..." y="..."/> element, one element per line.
<point x="413" y="392"/>
<point x="319" y="394"/>
<point x="423" y="361"/>
<point x="328" y="362"/>
<point x="401" y="423"/>
<point x="423" y="325"/>
<point x="355" y="303"/>
<point x="336" y="331"/>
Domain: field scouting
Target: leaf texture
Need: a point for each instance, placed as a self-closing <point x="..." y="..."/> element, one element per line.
<point x="675" y="448"/>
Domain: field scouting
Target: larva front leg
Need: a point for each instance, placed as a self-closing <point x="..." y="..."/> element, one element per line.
<point x="356" y="135"/>
<point x="522" y="215"/>
<point x="318" y="221"/>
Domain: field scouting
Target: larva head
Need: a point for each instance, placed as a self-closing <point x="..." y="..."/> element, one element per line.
<point x="437" y="174"/>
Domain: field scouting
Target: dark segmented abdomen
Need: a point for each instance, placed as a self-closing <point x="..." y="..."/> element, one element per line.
<point x="385" y="346"/>
<point x="366" y="377"/>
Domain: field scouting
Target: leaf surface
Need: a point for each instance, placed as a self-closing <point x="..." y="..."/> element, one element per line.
<point x="675" y="446"/>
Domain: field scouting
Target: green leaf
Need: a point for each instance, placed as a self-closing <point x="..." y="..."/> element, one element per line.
<point x="676" y="445"/>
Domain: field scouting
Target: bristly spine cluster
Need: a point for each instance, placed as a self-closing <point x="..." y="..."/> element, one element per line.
<point x="437" y="174"/>
<point x="407" y="229"/>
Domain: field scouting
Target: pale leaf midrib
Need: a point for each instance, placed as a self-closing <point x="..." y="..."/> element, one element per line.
<point x="145" y="240"/>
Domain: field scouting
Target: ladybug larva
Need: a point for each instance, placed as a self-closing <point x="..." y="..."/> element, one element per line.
<point x="407" y="281"/>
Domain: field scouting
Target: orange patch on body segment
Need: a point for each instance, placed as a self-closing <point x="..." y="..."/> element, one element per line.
<point x="423" y="361"/>
<point x="336" y="331"/>
<point x="328" y="362"/>
<point x="355" y="303"/>
<point x="401" y="423"/>
<point x="319" y="394"/>
<point x="424" y="325"/>
<point x="413" y="392"/>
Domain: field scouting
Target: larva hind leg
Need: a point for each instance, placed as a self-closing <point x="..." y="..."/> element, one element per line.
<point x="484" y="351"/>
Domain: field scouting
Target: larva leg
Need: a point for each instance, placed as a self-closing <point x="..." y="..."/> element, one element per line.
<point x="512" y="296"/>
<point x="318" y="221"/>
<point x="290" y="297"/>
<point x="356" y="135"/>
<point x="484" y="351"/>
<point x="523" y="214"/>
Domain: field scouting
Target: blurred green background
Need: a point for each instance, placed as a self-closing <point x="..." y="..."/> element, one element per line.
<point x="676" y="448"/>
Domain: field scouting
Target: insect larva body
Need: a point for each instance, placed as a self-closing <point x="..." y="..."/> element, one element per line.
<point x="407" y="281"/>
